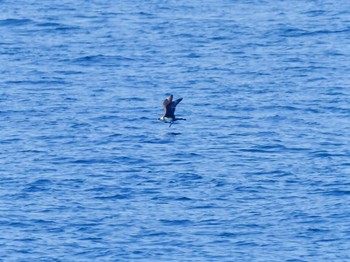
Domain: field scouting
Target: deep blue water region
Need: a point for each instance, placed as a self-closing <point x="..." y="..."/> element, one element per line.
<point x="259" y="171"/>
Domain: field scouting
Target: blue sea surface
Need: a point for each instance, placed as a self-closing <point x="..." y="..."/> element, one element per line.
<point x="260" y="171"/>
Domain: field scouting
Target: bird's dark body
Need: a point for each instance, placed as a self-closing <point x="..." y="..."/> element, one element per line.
<point x="169" y="107"/>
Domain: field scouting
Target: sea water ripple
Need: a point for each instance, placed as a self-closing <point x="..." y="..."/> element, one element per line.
<point x="258" y="172"/>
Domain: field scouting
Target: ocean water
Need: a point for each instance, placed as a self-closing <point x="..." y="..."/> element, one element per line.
<point x="258" y="172"/>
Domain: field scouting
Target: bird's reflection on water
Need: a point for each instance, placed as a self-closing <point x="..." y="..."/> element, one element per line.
<point x="173" y="133"/>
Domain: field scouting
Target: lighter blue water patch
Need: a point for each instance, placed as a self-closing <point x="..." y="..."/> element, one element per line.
<point x="258" y="172"/>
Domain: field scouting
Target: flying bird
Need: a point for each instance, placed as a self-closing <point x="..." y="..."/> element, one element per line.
<point x="169" y="107"/>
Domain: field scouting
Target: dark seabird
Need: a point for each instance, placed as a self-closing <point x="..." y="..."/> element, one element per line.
<point x="169" y="110"/>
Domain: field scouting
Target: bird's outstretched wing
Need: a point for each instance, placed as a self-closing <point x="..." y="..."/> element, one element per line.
<point x="166" y="102"/>
<point x="170" y="108"/>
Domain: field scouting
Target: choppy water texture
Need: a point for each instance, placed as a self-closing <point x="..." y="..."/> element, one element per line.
<point x="258" y="172"/>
